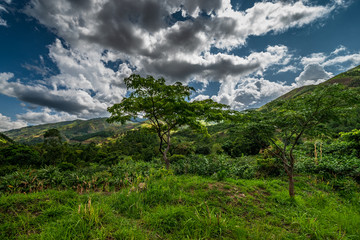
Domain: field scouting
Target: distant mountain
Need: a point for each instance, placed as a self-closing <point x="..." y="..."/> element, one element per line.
<point x="81" y="131"/>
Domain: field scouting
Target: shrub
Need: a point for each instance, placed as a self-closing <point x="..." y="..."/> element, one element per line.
<point x="269" y="167"/>
<point x="65" y="166"/>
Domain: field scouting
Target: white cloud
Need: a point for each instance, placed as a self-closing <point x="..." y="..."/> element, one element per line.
<point x="3" y="21"/>
<point x="139" y="32"/>
<point x="250" y="92"/>
<point x="5" y="76"/>
<point x="341" y="48"/>
<point x="313" y="74"/>
<point x="288" y="68"/>
<point x="314" y="58"/>
<point x="200" y="98"/>
<point x="84" y="87"/>
<point x="7" y="124"/>
<point x="142" y="35"/>
<point x="352" y="59"/>
<point x="45" y="116"/>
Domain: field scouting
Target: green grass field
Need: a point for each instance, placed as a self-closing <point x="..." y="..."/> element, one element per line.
<point x="185" y="207"/>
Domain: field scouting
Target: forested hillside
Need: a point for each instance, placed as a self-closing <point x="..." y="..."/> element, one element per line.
<point x="78" y="131"/>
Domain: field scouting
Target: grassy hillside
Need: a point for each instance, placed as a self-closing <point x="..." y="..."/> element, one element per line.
<point x="94" y="130"/>
<point x="164" y="206"/>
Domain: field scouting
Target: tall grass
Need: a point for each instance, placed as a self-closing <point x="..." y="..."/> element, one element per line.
<point x="164" y="206"/>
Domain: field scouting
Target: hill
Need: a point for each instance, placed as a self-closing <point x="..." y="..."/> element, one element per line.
<point x="82" y="131"/>
<point x="5" y="140"/>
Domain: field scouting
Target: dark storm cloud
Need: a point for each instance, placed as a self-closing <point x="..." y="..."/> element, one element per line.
<point x="227" y="67"/>
<point x="204" y="5"/>
<point x="117" y="20"/>
<point x="43" y="98"/>
<point x="223" y="27"/>
<point x="181" y="70"/>
<point x="80" y="3"/>
<point x="173" y="69"/>
<point x="185" y="37"/>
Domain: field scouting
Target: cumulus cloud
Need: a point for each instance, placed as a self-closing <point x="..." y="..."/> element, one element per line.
<point x="45" y="116"/>
<point x="85" y="86"/>
<point x="172" y="39"/>
<point x="7" y="124"/>
<point x="313" y="74"/>
<point x="144" y="27"/>
<point x="250" y="92"/>
<point x="148" y="29"/>
<point x="314" y="58"/>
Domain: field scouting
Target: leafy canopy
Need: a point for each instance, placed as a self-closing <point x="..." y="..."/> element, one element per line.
<point x="167" y="107"/>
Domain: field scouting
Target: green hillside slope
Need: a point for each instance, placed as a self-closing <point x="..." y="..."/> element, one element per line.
<point x="350" y="78"/>
<point x="84" y="131"/>
<point x="5" y="140"/>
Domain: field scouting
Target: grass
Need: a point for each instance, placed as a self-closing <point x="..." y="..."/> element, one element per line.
<point x="185" y="207"/>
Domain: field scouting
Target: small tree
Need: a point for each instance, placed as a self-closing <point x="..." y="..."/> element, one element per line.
<point x="166" y="107"/>
<point x="306" y="114"/>
<point x="52" y="146"/>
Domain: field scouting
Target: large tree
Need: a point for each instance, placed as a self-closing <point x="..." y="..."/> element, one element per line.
<point x="306" y="114"/>
<point x="166" y="107"/>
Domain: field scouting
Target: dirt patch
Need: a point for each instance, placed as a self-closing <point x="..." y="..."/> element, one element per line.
<point x="231" y="191"/>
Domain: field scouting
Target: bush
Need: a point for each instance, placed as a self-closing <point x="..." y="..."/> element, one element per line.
<point x="203" y="149"/>
<point x="176" y="157"/>
<point x="65" y="166"/>
<point x="218" y="166"/>
<point x="269" y="167"/>
<point x="20" y="155"/>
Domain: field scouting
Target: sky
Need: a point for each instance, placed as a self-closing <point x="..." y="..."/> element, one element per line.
<point x="66" y="59"/>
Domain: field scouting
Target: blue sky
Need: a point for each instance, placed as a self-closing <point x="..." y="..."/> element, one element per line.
<point x="64" y="60"/>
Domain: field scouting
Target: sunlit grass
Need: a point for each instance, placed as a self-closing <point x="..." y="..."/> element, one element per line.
<point x="185" y="207"/>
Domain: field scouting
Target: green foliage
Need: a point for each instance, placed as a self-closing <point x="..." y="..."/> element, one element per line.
<point x="19" y="155"/>
<point x="65" y="166"/>
<point x="140" y="144"/>
<point x="5" y="140"/>
<point x="353" y="140"/>
<point x="102" y="134"/>
<point x="305" y="115"/>
<point x="269" y="167"/>
<point x="177" y="157"/>
<point x="219" y="166"/>
<point x="166" y="107"/>
<point x="247" y="139"/>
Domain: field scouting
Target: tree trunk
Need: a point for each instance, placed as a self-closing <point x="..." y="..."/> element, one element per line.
<point x="291" y="184"/>
<point x="166" y="160"/>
